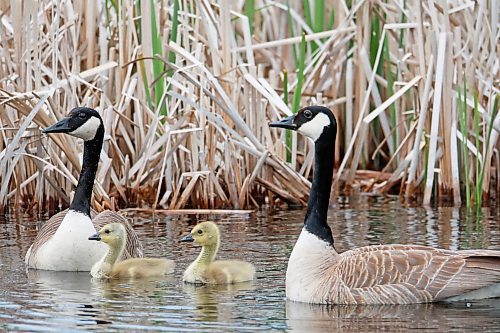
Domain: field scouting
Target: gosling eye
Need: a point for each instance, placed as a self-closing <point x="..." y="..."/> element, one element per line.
<point x="107" y="231"/>
<point x="82" y="115"/>
<point x="200" y="231"/>
<point x="308" y="114"/>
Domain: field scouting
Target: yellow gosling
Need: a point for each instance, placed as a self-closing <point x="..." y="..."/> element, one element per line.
<point x="114" y="235"/>
<point x="204" y="270"/>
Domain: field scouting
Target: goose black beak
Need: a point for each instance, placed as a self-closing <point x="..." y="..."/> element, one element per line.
<point x="62" y="126"/>
<point x="285" y="123"/>
<point x="95" y="237"/>
<point x="187" y="238"/>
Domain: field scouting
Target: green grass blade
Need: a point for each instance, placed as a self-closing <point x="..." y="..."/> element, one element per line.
<point x="488" y="138"/>
<point x="331" y="21"/>
<point x="297" y="93"/>
<point x="386" y="61"/>
<point x="292" y="34"/>
<point x="478" y="188"/>
<point x="250" y="12"/>
<point x="142" y="72"/>
<point x="288" y="134"/>
<point x="319" y="15"/>
<point x="300" y="75"/>
<point x="158" y="65"/>
<point x="285" y="87"/>
<point x="462" y="115"/>
<point x="307" y="13"/>
<point x="173" y="35"/>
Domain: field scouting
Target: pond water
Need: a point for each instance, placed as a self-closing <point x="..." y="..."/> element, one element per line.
<point x="48" y="301"/>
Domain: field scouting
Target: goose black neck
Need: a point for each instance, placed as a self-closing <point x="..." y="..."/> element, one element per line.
<point x="83" y="194"/>
<point x="319" y="197"/>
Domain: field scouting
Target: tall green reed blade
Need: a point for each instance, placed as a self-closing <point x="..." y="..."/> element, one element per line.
<point x="138" y="25"/>
<point x="286" y="100"/>
<point x="318" y="23"/>
<point x="173" y="36"/>
<point x="250" y="11"/>
<point x="158" y="65"/>
<point x="390" y="90"/>
<point x="285" y="87"/>
<point x="319" y="15"/>
<point x="462" y="115"/>
<point x="297" y="93"/>
<point x="292" y="34"/>
<point x="142" y="71"/>
<point x="331" y="21"/>
<point x="403" y="20"/>
<point x="478" y="188"/>
<point x="488" y="138"/>
<point x="307" y="13"/>
<point x="374" y="43"/>
<point x="486" y="145"/>
<point x="107" y="5"/>
<point x="300" y="75"/>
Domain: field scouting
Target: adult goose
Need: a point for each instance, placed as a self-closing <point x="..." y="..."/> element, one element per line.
<point x="62" y="244"/>
<point x="381" y="274"/>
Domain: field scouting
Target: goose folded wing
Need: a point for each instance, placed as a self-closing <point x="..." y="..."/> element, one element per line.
<point x="416" y="273"/>
<point x="133" y="246"/>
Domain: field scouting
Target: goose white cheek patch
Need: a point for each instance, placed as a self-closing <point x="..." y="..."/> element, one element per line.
<point x="88" y="130"/>
<point x="315" y="126"/>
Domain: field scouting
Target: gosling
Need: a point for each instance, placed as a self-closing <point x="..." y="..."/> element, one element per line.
<point x="114" y="235"/>
<point x="204" y="270"/>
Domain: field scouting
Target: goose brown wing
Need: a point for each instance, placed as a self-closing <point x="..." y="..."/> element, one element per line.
<point x="412" y="274"/>
<point x="48" y="230"/>
<point x="133" y="246"/>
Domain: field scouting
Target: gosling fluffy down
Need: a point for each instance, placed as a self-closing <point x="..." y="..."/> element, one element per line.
<point x="114" y="235"/>
<point x="204" y="270"/>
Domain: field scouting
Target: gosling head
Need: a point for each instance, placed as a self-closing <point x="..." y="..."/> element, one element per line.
<point x="111" y="234"/>
<point x="82" y="122"/>
<point x="311" y="121"/>
<point x="204" y="234"/>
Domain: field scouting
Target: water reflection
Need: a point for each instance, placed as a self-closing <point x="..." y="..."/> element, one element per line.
<point x="206" y="299"/>
<point x="40" y="300"/>
<point x="442" y="317"/>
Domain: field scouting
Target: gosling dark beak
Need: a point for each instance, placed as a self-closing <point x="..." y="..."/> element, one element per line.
<point x="285" y="123"/>
<point x="62" y="126"/>
<point x="187" y="238"/>
<point x="95" y="237"/>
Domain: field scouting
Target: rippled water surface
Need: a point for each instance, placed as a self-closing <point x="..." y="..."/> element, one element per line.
<point x="38" y="300"/>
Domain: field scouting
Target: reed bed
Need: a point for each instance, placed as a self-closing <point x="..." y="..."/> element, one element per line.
<point x="186" y="89"/>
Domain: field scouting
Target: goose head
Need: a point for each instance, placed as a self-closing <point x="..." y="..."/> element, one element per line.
<point x="112" y="234"/>
<point x="204" y="234"/>
<point x="82" y="122"/>
<point x="311" y="121"/>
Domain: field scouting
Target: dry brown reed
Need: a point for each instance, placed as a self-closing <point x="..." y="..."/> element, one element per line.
<point x="186" y="115"/>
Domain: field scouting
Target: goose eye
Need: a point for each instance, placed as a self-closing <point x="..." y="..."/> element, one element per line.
<point x="82" y="115"/>
<point x="308" y="114"/>
<point x="106" y="231"/>
<point x="200" y="232"/>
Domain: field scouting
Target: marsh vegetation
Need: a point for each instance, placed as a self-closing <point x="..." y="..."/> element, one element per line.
<point x="186" y="89"/>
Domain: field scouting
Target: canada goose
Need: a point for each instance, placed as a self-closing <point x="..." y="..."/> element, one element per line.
<point x="383" y="274"/>
<point x="62" y="244"/>
<point x="114" y="235"/>
<point x="204" y="270"/>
